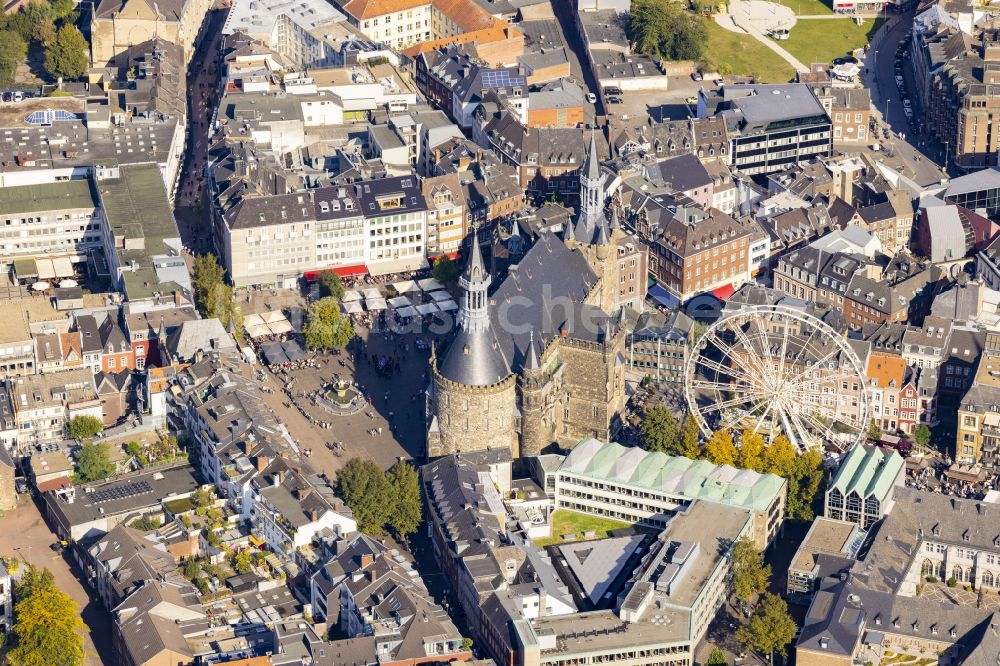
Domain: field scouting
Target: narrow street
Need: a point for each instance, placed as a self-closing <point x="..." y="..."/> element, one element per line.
<point x="32" y="544"/>
<point x="579" y="61"/>
<point x="192" y="205"/>
<point x="923" y="160"/>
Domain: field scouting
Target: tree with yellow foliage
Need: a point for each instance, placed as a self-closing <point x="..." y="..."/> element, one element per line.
<point x="751" y="454"/>
<point x="779" y="456"/>
<point x="47" y="628"/>
<point x="720" y="448"/>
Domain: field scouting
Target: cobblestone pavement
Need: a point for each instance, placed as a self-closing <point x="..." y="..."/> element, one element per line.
<point x="400" y="417"/>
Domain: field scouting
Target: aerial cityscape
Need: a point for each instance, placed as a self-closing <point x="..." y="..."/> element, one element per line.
<point x="500" y="333"/>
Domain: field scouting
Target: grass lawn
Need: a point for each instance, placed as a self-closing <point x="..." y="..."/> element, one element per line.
<point x="807" y="7"/>
<point x="822" y="40"/>
<point x="571" y="522"/>
<point x="731" y="53"/>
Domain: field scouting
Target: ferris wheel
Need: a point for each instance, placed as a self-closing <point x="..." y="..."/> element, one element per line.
<point x="777" y="370"/>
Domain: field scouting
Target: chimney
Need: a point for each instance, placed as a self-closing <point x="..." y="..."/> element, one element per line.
<point x="373" y="575"/>
<point x="262" y="463"/>
<point x="177" y="298"/>
<point x="313" y="516"/>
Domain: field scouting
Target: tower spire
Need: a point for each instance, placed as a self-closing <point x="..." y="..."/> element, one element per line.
<point x="591" y="195"/>
<point x="474" y="316"/>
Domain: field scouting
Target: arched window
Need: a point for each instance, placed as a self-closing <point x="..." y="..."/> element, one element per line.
<point x="927" y="568"/>
<point x="956" y="573"/>
<point x="988" y="579"/>
<point x="836" y="498"/>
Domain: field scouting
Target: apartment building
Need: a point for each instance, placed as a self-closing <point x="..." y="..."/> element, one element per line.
<point x="59" y="219"/>
<point x="396" y="220"/>
<point x="302" y="32"/>
<point x="402" y="23"/>
<point x="850" y="109"/>
<point x="963" y="105"/>
<point x="893" y="391"/>
<point x="978" y="432"/>
<point x="894" y="293"/>
<point x="633" y="485"/>
<point x="770" y="126"/>
<point x="339" y="231"/>
<point x="692" y="250"/>
<point x="865" y="487"/>
<point x="45" y="404"/>
<point x="270" y="239"/>
<point x="828" y="548"/>
<point x="446" y="214"/>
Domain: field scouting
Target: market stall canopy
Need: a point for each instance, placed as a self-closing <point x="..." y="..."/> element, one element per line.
<point x="427" y="308"/>
<point x="405" y="286"/>
<point x="375" y="303"/>
<point x="408" y="311"/>
<point x="400" y="302"/>
<point x="41" y="285"/>
<point x="372" y="292"/>
<point x="351" y="295"/>
<point x="352" y="307"/>
<point x="447" y="306"/>
<point x="430" y="284"/>
<point x="439" y="296"/>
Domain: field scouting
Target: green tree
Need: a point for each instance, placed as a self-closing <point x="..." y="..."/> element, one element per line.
<point x="751" y="454"/>
<point x="690" y="446"/>
<point x="33" y="580"/>
<point x="47" y="628"/>
<point x="770" y="628"/>
<point x="364" y="487"/>
<point x="330" y="285"/>
<point x="134" y="449"/>
<point x="243" y="561"/>
<point x="445" y="270"/>
<point x="922" y="435"/>
<point x="202" y="498"/>
<point x="192" y="569"/>
<point x="750" y="575"/>
<point x="92" y="463"/>
<point x="717" y="658"/>
<point x="66" y="57"/>
<point x="720" y="449"/>
<point x="206" y="276"/>
<point x="407" y="509"/>
<point x="85" y="426"/>
<point x="665" y="29"/>
<point x="804" y="483"/>
<point x="779" y="456"/>
<point x="326" y="327"/>
<point x="660" y="430"/>
<point x="874" y="432"/>
<point x="17" y="22"/>
<point x="13" y="50"/>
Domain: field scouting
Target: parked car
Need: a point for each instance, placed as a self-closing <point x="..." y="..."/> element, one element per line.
<point x="613" y="90"/>
<point x="18" y="96"/>
<point x="614" y="99"/>
<point x="591" y="97"/>
<point x="21" y="486"/>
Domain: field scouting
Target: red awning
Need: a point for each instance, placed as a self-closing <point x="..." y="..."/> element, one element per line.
<point x="54" y="484"/>
<point x="723" y="293"/>
<point x="342" y="271"/>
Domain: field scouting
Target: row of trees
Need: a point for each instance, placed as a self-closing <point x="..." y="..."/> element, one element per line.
<point x="51" y="26"/>
<point x="660" y="431"/>
<point x="770" y="628"/>
<point x="382" y="500"/>
<point x="47" y="627"/>
<point x="213" y="297"/>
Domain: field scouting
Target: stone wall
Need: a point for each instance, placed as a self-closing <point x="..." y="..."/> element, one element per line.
<point x="473" y="418"/>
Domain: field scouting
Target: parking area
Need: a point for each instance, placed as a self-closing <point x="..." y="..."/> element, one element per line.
<point x="33" y="544"/>
<point x="671" y="104"/>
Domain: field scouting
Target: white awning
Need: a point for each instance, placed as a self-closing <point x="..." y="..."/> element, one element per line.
<point x="258" y="331"/>
<point x="400" y="302"/>
<point x="352" y="307"/>
<point x="279" y="327"/>
<point x="408" y="311"/>
<point x="372" y="292"/>
<point x="272" y="317"/>
<point x="375" y="304"/>
<point x="447" y="306"/>
<point x="427" y="308"/>
<point x="46" y="271"/>
<point x="351" y="295"/>
<point x="439" y="296"/>
<point x="430" y="284"/>
<point x="252" y="320"/>
<point x="63" y="267"/>
<point x="405" y="286"/>
<point x="397" y="266"/>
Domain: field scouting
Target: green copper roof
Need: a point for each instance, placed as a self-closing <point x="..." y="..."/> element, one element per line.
<point x="691" y="479"/>
<point x="868" y="471"/>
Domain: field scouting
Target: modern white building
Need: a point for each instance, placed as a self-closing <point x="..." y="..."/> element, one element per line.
<point x="636" y="486"/>
<point x="863" y="489"/>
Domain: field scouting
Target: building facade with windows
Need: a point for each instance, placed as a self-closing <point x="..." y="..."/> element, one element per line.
<point x="863" y="489"/>
<point x="633" y="485"/>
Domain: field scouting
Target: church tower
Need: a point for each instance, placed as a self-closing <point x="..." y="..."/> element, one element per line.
<point x="591" y="219"/>
<point x="474" y="390"/>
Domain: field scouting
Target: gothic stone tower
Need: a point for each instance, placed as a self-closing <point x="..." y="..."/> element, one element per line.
<point x="474" y="391"/>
